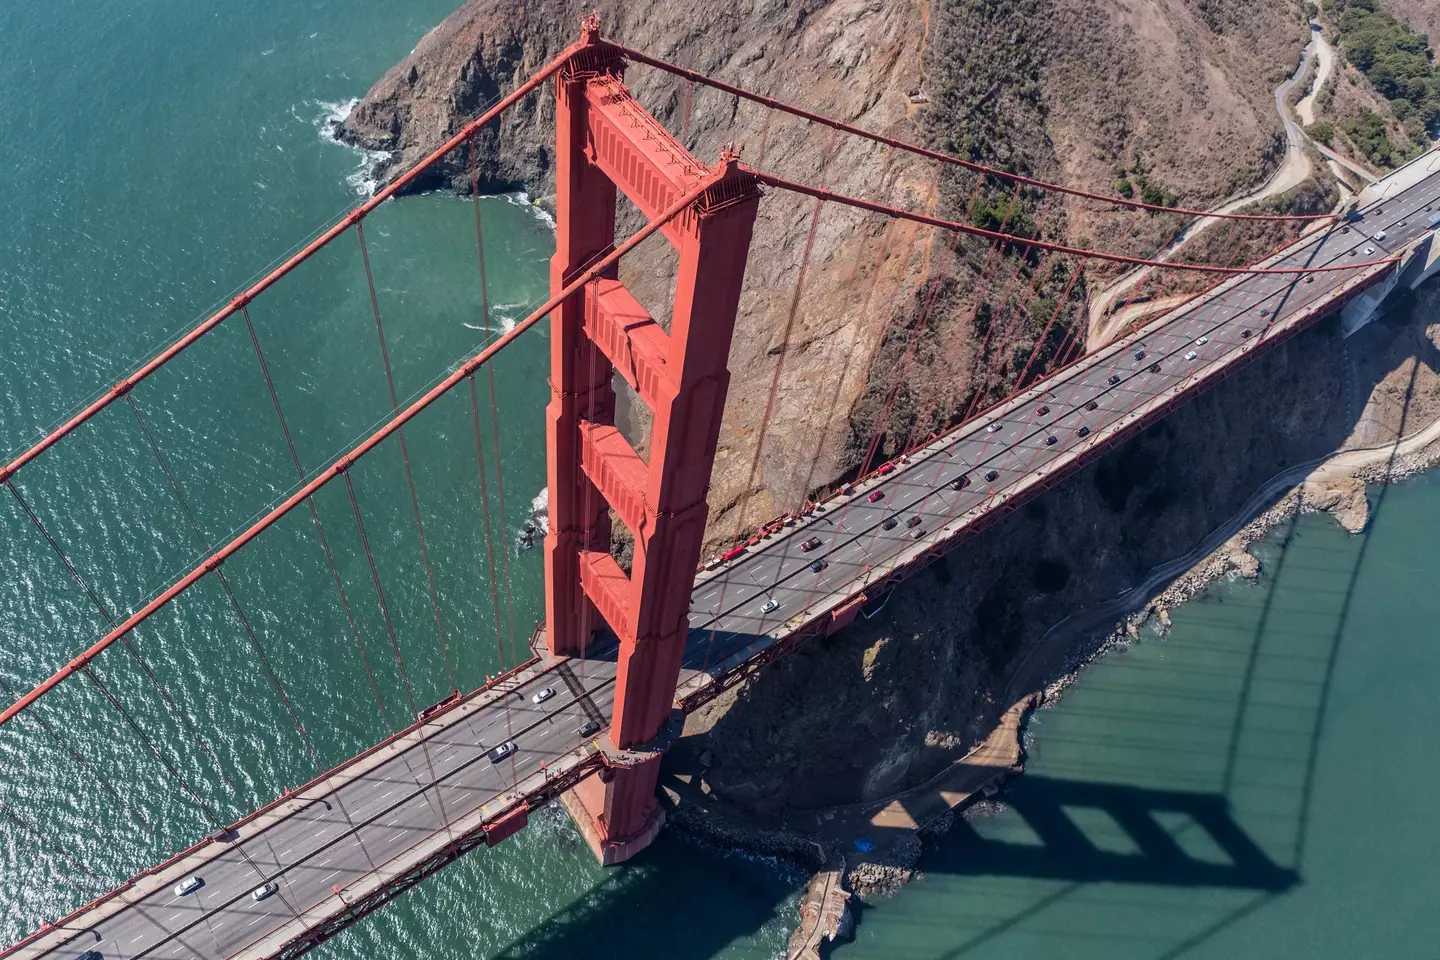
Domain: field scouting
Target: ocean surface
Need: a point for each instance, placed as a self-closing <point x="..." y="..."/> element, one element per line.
<point x="159" y="154"/>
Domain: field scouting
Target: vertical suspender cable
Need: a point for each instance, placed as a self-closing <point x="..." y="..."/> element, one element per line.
<point x="175" y="774"/>
<point x="74" y="754"/>
<point x="390" y="630"/>
<point x="405" y="456"/>
<point x="259" y="650"/>
<point x="255" y="645"/>
<point x="775" y="378"/>
<point x="485" y="509"/>
<point x="494" y="414"/>
<point x="181" y="716"/>
<point x="500" y="494"/>
<point x="1059" y="308"/>
<point x="319" y="527"/>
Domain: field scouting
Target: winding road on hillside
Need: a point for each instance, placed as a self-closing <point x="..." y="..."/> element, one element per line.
<point x="1292" y="172"/>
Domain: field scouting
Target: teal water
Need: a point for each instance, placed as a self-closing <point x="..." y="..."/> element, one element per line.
<point x="157" y="155"/>
<point x="1260" y="784"/>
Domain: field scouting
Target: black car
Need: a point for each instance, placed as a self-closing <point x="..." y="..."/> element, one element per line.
<point x="1264" y="312"/>
<point x="1114" y="379"/>
<point x="1245" y="334"/>
<point x="991" y="476"/>
<point x="1042" y="411"/>
<point x="960" y="483"/>
<point x="818" y="565"/>
<point x="889" y="524"/>
<point x="1083" y="432"/>
<point x="588" y="729"/>
<point x="1139" y="354"/>
<point x="913" y="522"/>
<point x="1091" y="405"/>
<point x="1154" y="367"/>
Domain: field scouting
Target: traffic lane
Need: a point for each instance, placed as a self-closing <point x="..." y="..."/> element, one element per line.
<point x="1169" y="340"/>
<point x="231" y="870"/>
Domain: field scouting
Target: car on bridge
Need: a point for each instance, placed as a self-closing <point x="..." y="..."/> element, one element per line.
<point x="1083" y="432"/>
<point x="588" y="729"/>
<point x="876" y="496"/>
<point x="264" y="891"/>
<point x="991" y="476"/>
<point x="960" y="482"/>
<point x="810" y="544"/>
<point x="504" y="750"/>
<point x="189" y="885"/>
<point x="543" y="695"/>
<point x="819" y="565"/>
<point x="770" y="606"/>
<point x="1114" y="379"/>
<point x="913" y="521"/>
<point x="1042" y="411"/>
<point x="889" y="524"/>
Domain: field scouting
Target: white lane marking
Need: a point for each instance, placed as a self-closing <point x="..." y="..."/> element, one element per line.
<point x="387" y="794"/>
<point x="326" y="861"/>
<point x="286" y="851"/>
<point x="335" y="874"/>
<point x="393" y="822"/>
<point x="394" y="838"/>
<point x="218" y="925"/>
<point x="138" y="939"/>
<point x="255" y="921"/>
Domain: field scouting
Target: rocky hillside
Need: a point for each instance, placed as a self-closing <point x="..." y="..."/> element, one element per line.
<point x="1163" y="99"/>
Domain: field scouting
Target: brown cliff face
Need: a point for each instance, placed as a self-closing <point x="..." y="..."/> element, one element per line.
<point x="1077" y="91"/>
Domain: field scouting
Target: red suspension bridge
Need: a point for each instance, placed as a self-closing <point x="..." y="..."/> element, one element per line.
<point x="623" y="654"/>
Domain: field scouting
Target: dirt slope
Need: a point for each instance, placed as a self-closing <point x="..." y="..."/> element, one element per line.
<point x="1077" y="90"/>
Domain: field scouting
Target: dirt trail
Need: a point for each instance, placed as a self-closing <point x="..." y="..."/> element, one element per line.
<point x="1291" y="173"/>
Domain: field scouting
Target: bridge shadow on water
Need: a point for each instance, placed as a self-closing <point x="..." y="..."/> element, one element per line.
<point x="1094" y="867"/>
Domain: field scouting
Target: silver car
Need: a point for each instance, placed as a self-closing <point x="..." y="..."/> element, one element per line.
<point x="264" y="891"/>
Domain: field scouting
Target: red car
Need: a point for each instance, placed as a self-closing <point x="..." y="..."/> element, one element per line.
<point x="810" y="544"/>
<point x="876" y="497"/>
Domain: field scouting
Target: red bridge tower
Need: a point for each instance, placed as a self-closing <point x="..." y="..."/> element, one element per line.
<point x="605" y="140"/>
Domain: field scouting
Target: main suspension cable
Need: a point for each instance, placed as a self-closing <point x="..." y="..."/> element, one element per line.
<point x="943" y="158"/>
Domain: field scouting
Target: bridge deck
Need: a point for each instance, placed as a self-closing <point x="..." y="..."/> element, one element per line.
<point x="347" y="842"/>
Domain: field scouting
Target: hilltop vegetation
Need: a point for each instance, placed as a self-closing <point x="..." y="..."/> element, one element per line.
<point x="1399" y="64"/>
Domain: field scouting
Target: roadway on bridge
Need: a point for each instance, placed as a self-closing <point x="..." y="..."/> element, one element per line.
<point x="728" y="619"/>
<point x="391" y="809"/>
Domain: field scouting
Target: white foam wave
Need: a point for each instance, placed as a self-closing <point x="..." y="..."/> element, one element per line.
<point x="522" y="199"/>
<point x="333" y="113"/>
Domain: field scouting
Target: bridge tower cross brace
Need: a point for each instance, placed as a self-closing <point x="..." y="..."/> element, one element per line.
<point x="606" y="142"/>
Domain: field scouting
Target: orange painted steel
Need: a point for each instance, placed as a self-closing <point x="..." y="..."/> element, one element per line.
<point x="243" y="299"/>
<point x="342" y="465"/>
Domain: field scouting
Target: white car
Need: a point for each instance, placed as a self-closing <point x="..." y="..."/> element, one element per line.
<point x="994" y="428"/>
<point x="1379" y="236"/>
<point x="1191" y="355"/>
<point x="1369" y="251"/>
<point x="1201" y="341"/>
<point x="543" y="695"/>
<point x="189" y="885"/>
<point x="264" y="891"/>
<point x="499" y="753"/>
<point x="770" y="606"/>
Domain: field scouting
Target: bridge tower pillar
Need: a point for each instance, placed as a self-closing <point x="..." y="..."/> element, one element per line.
<point x="605" y="141"/>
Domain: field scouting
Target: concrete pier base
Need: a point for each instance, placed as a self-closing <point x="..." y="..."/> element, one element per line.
<point x="607" y="849"/>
